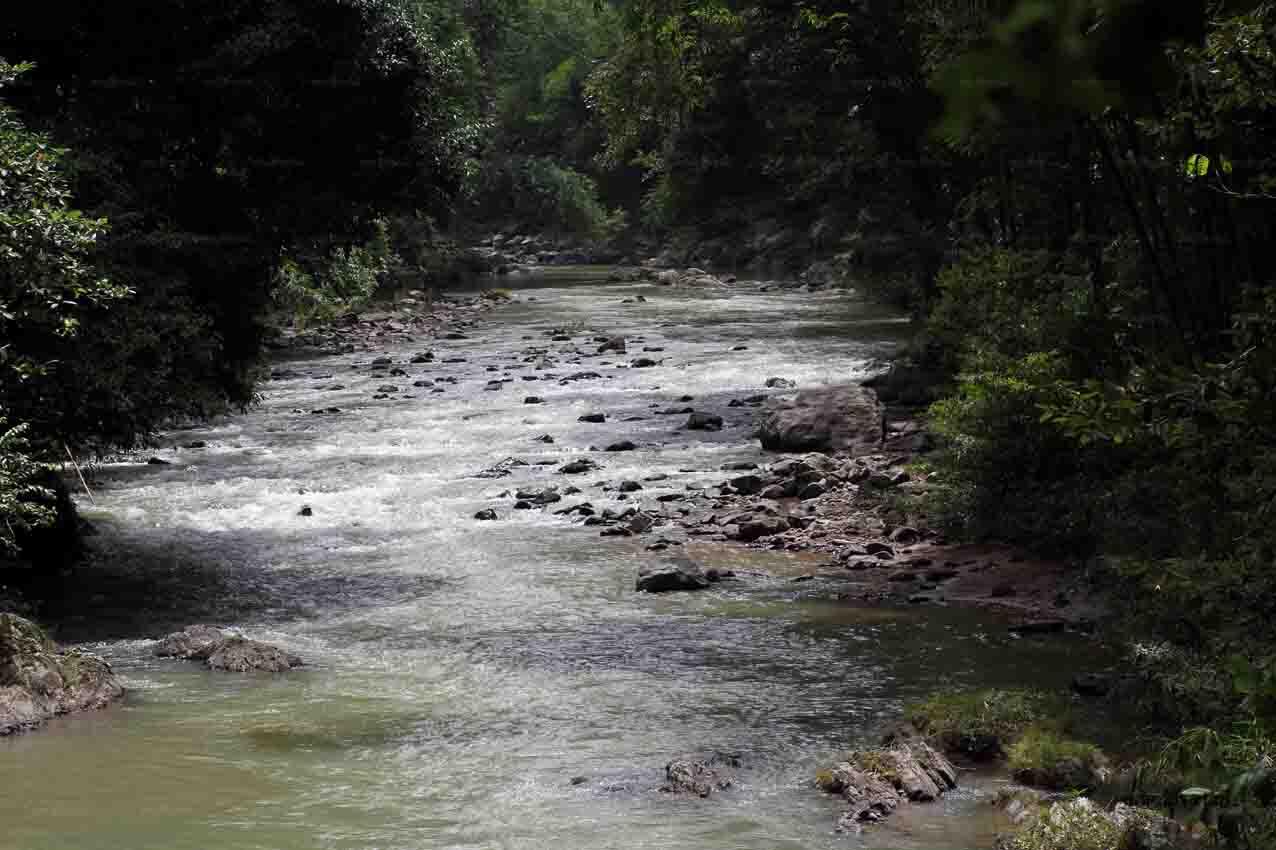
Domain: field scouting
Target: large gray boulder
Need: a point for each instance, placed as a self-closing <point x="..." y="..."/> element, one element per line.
<point x="240" y="655"/>
<point x="225" y="650"/>
<point x="38" y="681"/>
<point x="193" y="643"/>
<point x="824" y="420"/>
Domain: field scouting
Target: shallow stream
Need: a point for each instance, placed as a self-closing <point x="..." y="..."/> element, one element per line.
<point x="460" y="674"/>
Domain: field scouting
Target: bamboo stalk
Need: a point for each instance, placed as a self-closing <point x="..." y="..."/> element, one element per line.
<point x="79" y="474"/>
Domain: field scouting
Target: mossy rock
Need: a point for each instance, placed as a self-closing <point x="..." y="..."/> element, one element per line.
<point x="38" y="682"/>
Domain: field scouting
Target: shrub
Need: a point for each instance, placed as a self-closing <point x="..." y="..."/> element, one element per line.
<point x="1072" y="825"/>
<point x="1043" y="758"/>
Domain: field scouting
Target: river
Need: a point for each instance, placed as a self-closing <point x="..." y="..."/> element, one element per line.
<point x="460" y="674"/>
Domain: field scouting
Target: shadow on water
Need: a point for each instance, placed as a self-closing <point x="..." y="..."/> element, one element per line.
<point x="131" y="589"/>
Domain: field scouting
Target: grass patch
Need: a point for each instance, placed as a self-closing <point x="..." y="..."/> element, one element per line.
<point x="980" y="724"/>
<point x="1044" y="758"/>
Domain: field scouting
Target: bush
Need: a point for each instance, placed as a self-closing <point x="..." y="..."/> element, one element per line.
<point x="538" y="191"/>
<point x="980" y="724"/>
<point x="1072" y="825"/>
<point x="1045" y="759"/>
<point x="25" y="503"/>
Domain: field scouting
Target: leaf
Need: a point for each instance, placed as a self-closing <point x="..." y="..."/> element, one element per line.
<point x="1197" y="165"/>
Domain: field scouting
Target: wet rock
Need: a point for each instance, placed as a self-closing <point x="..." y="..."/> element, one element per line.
<point x="616" y="344"/>
<point x="158" y="461"/>
<point x="523" y="505"/>
<point x="941" y="574"/>
<point x="905" y="535"/>
<point x="240" y="655"/>
<point x="813" y="490"/>
<point x="37" y="681"/>
<point x="701" y="777"/>
<point x="643" y="363"/>
<point x="875" y="782"/>
<point x="543" y="438"/>
<point x="576" y="467"/>
<point x="747" y="485"/>
<point x="834" y="419"/>
<point x="739" y="466"/>
<point x="306" y="510"/>
<point x="621" y="446"/>
<point x="195" y="444"/>
<point x="423" y="357"/>
<point x="774" y="492"/>
<point x="487" y="514"/>
<point x="755" y="528"/>
<point x="704" y="422"/>
<point x="533" y="399"/>
<point x="675" y="411"/>
<point x="193" y="643"/>
<point x="424" y="382"/>
<point x="382" y="361"/>
<point x="879" y="549"/>
<point x="780" y="383"/>
<point x="502" y="469"/>
<point x="677" y="574"/>
<point x="592" y="417"/>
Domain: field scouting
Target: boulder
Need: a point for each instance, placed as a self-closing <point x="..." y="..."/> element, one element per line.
<point x="678" y="574"/>
<point x="576" y="467"/>
<point x="621" y="446"/>
<point x="193" y="643"/>
<point x="701" y="777"/>
<point x="240" y="655"/>
<point x="486" y="514"/>
<point x="878" y="780"/>
<point x="38" y="681"/>
<point x="824" y="420"/>
<point x="704" y="422"/>
<point x="754" y="528"/>
<point x="616" y="344"/>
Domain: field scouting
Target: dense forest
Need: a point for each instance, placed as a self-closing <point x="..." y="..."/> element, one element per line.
<point x="1069" y="197"/>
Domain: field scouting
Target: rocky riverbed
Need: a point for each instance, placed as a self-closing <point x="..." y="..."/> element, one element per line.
<point x="447" y="509"/>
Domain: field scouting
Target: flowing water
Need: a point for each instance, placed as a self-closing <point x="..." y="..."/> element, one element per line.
<point x="461" y="674"/>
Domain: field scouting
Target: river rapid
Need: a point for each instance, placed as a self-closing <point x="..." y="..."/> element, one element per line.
<point x="461" y="674"/>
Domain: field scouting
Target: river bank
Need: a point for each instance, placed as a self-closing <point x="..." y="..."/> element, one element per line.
<point x="445" y="652"/>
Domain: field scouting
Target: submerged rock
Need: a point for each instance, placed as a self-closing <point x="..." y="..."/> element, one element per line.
<point x="37" y="681"/>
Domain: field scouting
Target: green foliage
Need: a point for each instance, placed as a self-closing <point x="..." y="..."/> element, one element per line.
<point x="1043" y="758"/>
<point x="25" y="503"/>
<point x="48" y="285"/>
<point x="556" y="198"/>
<point x="982" y="724"/>
<point x="341" y="282"/>
<point x="1071" y="825"/>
